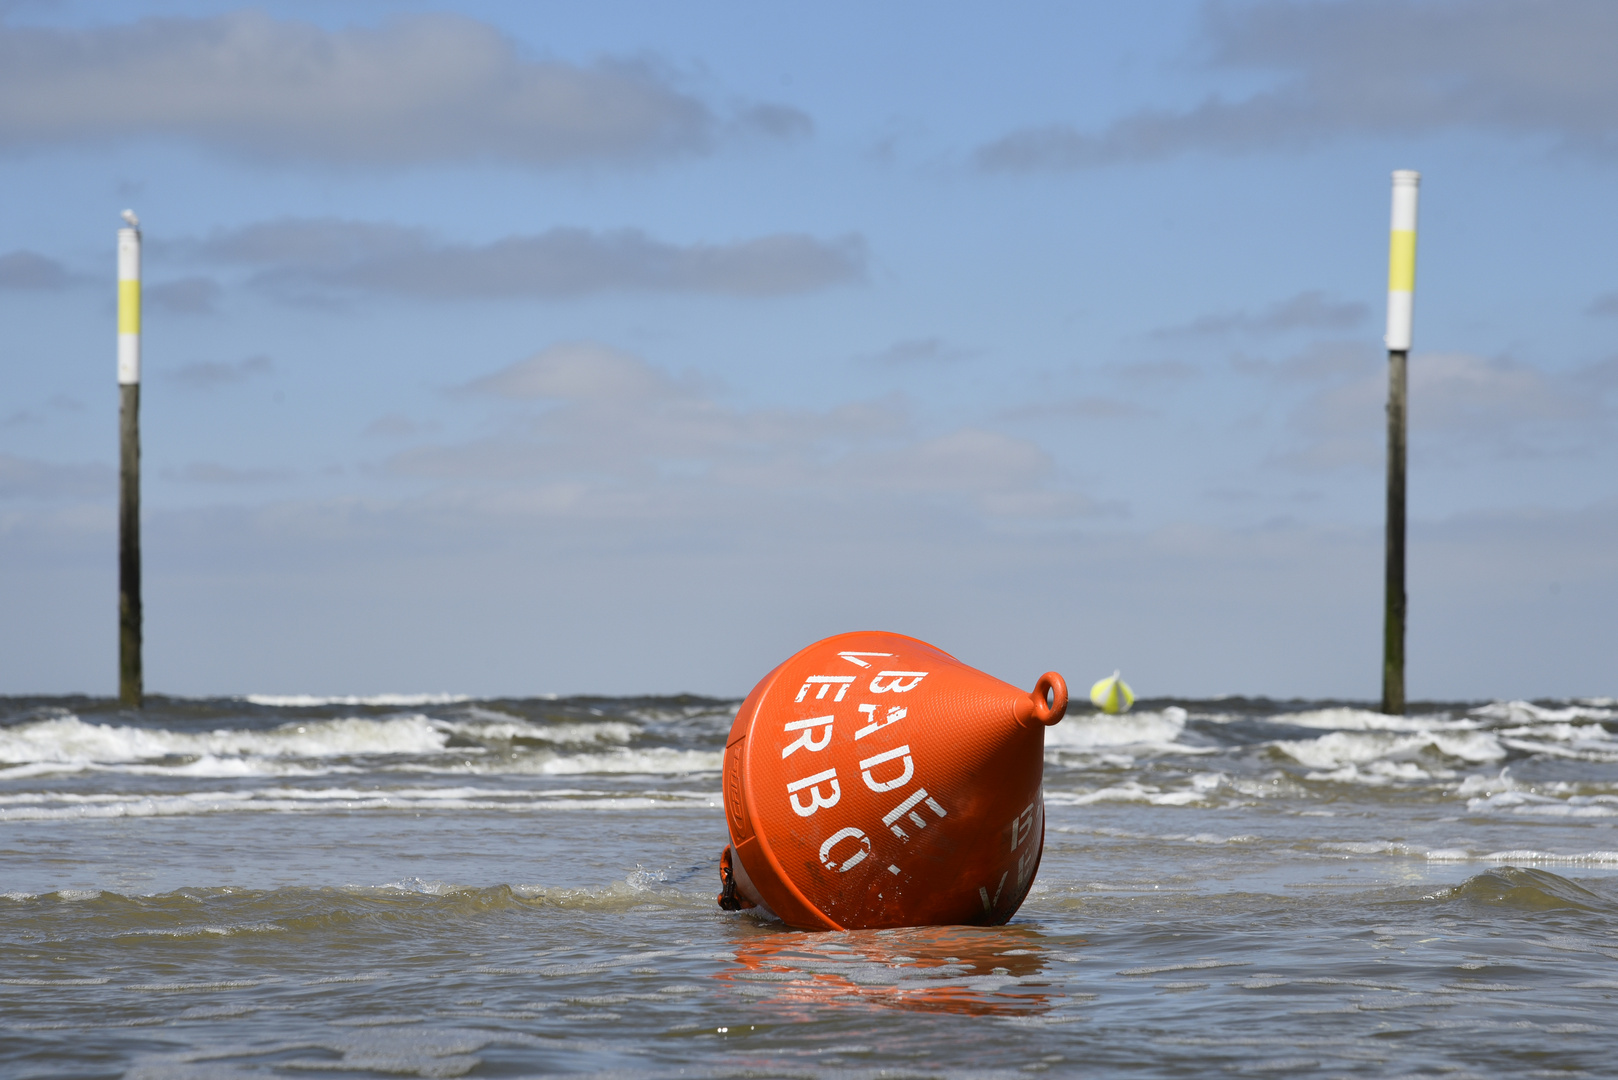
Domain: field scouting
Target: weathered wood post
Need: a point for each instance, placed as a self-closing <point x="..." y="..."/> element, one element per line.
<point x="1401" y="299"/>
<point x="131" y="679"/>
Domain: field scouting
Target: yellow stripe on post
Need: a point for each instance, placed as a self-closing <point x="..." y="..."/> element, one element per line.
<point x="128" y="306"/>
<point x="1402" y="261"/>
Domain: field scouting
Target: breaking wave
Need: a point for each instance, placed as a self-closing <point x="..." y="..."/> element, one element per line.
<point x="482" y="741"/>
<point x="1097" y="731"/>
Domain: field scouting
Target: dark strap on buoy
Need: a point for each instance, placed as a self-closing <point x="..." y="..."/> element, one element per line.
<point x="727" y="896"/>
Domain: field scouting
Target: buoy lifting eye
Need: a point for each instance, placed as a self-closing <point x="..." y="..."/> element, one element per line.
<point x="1050" y="698"/>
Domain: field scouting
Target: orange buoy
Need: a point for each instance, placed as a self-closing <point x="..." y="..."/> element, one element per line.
<point x="874" y="780"/>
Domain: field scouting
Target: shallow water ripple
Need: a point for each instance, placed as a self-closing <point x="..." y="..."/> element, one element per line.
<point x="436" y="886"/>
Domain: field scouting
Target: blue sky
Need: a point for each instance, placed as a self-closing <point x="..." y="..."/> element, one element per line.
<point x="524" y="348"/>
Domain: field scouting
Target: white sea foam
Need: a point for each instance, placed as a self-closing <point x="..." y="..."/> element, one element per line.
<point x="1529" y="803"/>
<point x="1129" y="791"/>
<point x="656" y="760"/>
<point x="1463" y="855"/>
<point x="1560" y="732"/>
<point x="498" y="726"/>
<point x="1349" y="719"/>
<point x="1583" y="858"/>
<point x="1520" y="712"/>
<point x="1369" y="847"/>
<point x="1380" y="757"/>
<point x="70" y="740"/>
<point x="51" y="806"/>
<point x="1380" y="773"/>
<point x="1485" y="784"/>
<point x="1204" y="790"/>
<point x="1449" y="855"/>
<point x="651" y="761"/>
<point x="67" y="744"/>
<point x="1584" y="742"/>
<point x="310" y="701"/>
<point x="196" y="930"/>
<point x="1154" y="729"/>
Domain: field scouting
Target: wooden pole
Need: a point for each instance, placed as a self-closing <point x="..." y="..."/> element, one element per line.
<point x="1393" y="600"/>
<point x="1401" y="303"/>
<point x="131" y="676"/>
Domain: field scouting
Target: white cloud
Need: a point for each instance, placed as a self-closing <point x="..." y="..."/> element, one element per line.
<point x="1092" y="407"/>
<point x="416" y="89"/>
<point x="1605" y="304"/>
<point x="301" y="258"/>
<point x="30" y="478"/>
<point x="1465" y="392"/>
<point x="920" y="352"/>
<point x="1155" y="372"/>
<point x="31" y="270"/>
<point x="1320" y="362"/>
<point x="213" y="472"/>
<point x="183" y="296"/>
<point x="1308" y="310"/>
<point x="211" y="374"/>
<point x="610" y="434"/>
<point x="1368" y="67"/>
<point x="968" y="459"/>
<point x="396" y="426"/>
<point x="1461" y="405"/>
<point x="579" y="371"/>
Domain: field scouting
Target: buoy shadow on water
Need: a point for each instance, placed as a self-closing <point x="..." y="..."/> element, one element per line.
<point x="873" y="780"/>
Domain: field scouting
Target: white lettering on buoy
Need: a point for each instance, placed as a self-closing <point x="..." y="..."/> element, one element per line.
<point x="895" y="713"/>
<point x="807" y="741"/>
<point x="1024" y="825"/>
<point x="893" y="683"/>
<point x="854" y="657"/>
<point x="816" y="801"/>
<point x="826" y="682"/>
<point x="853" y="860"/>
<point x="891" y="818"/>
<point x="1019" y="830"/>
<point x="888" y="785"/>
<point x="1025" y="865"/>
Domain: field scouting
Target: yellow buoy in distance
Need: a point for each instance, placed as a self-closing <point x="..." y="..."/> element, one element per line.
<point x="1112" y="695"/>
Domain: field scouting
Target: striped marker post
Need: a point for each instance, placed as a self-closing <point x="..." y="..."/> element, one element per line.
<point x="1401" y="302"/>
<point x="131" y="689"/>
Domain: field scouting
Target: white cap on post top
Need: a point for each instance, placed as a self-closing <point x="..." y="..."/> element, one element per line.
<point x="1402" y="259"/>
<point x="129" y="301"/>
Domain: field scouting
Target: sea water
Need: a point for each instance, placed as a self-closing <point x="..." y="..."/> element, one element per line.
<point x="440" y="886"/>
